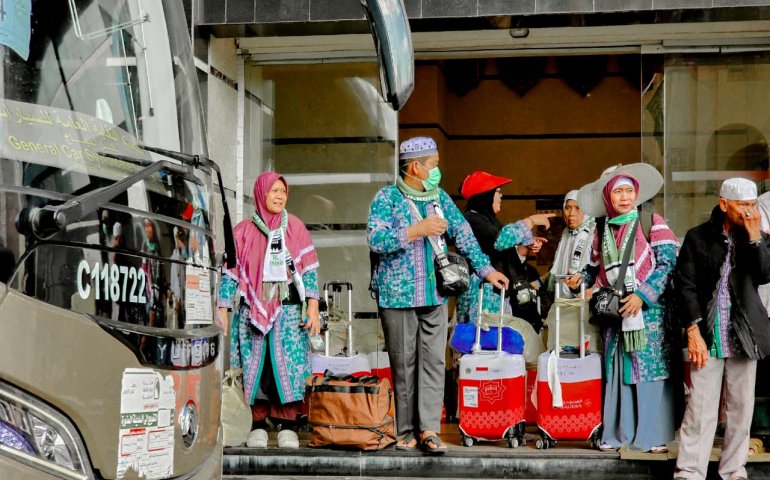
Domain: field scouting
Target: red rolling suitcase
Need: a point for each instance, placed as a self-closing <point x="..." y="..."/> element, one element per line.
<point x="491" y="392"/>
<point x="572" y="408"/>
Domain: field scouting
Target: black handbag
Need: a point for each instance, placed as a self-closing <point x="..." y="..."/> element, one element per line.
<point x="605" y="302"/>
<point x="605" y="307"/>
<point x="452" y="272"/>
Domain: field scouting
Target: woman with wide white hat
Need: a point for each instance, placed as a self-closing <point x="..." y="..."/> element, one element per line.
<point x="638" y="401"/>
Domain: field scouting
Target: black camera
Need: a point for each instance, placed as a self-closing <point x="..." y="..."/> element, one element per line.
<point x="523" y="293"/>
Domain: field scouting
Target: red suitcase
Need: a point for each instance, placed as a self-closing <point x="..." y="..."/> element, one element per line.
<point x="579" y="417"/>
<point x="491" y="393"/>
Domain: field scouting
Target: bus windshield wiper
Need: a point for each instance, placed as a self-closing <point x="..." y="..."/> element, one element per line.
<point x="201" y="161"/>
<point x="44" y="222"/>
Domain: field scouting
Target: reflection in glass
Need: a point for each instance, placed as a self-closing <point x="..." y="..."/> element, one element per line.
<point x="717" y="112"/>
<point x="334" y="139"/>
<point x="86" y="89"/>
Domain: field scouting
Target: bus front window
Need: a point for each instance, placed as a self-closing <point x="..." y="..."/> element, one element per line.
<point x="88" y="91"/>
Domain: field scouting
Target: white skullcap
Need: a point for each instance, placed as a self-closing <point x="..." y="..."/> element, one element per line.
<point x="417" y="147"/>
<point x="738" y="189"/>
<point x="117" y="229"/>
<point x="571" y="195"/>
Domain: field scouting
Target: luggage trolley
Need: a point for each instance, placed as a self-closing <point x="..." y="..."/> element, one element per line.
<point x="351" y="363"/>
<point x="580" y="416"/>
<point x="491" y="391"/>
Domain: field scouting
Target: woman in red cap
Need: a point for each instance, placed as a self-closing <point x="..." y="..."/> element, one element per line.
<point x="499" y="242"/>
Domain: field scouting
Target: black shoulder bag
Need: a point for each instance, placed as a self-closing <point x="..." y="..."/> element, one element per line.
<point x="452" y="273"/>
<point x="605" y="302"/>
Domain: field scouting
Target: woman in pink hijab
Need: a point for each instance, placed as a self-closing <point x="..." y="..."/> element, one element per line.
<point x="273" y="281"/>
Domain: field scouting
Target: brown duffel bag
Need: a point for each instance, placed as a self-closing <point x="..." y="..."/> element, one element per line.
<point x="349" y="412"/>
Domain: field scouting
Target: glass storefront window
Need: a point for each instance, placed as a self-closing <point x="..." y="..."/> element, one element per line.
<point x="717" y="121"/>
<point x="326" y="129"/>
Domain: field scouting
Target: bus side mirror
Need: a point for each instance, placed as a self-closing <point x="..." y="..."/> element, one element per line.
<point x="393" y="42"/>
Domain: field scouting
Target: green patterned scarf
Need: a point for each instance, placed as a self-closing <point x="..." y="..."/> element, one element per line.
<point x="634" y="337"/>
<point x="416" y="195"/>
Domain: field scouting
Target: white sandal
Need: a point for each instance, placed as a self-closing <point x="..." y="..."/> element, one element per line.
<point x="257" y="438"/>
<point x="659" y="449"/>
<point x="288" y="439"/>
<point x="606" y="447"/>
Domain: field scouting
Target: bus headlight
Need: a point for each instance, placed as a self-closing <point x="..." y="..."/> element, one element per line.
<point x="50" y="444"/>
<point x="37" y="435"/>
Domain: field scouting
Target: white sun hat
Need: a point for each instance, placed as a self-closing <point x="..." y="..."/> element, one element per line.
<point x="590" y="198"/>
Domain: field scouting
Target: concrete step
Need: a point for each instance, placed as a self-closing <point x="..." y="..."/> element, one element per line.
<point x="568" y="461"/>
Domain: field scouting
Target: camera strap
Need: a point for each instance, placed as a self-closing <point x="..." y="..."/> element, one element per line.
<point x="437" y="245"/>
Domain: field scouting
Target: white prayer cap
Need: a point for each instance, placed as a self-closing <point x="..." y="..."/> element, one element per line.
<point x="117" y="229"/>
<point x="417" y="147"/>
<point x="738" y="189"/>
<point x="571" y="195"/>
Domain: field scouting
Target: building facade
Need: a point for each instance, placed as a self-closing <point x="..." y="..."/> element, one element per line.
<point x="549" y="93"/>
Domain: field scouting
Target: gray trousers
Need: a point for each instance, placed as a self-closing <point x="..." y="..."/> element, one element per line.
<point x="416" y="341"/>
<point x="696" y="437"/>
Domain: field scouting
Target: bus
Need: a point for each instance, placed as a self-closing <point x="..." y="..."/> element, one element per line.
<point x="110" y="361"/>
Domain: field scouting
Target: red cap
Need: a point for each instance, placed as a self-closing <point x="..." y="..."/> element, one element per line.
<point x="480" y="182"/>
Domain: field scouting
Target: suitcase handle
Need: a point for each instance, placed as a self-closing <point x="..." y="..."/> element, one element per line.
<point x="336" y="286"/>
<point x="581" y="331"/>
<point x="477" y="343"/>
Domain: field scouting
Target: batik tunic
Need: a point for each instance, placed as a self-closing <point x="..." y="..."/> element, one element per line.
<point x="651" y="363"/>
<point x="511" y="235"/>
<point x="405" y="277"/>
<point x="726" y="344"/>
<point x="287" y="343"/>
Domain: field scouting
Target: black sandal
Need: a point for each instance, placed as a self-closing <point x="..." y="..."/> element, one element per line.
<point x="408" y="438"/>
<point x="438" y="449"/>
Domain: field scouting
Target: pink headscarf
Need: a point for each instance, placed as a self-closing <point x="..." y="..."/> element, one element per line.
<point x="251" y="245"/>
<point x="644" y="257"/>
<point x="262" y="187"/>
